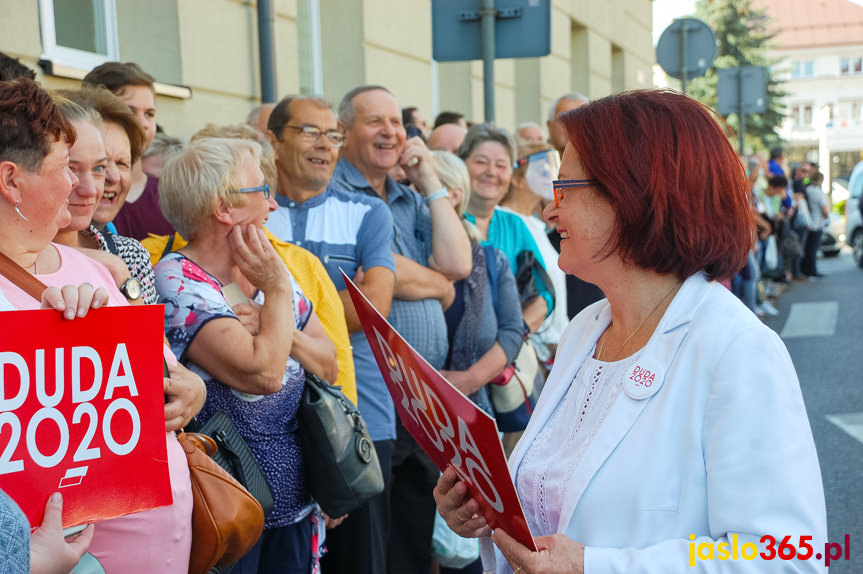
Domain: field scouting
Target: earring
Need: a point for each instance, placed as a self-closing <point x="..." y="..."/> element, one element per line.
<point x="18" y="211"/>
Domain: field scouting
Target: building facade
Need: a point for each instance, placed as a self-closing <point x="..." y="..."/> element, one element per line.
<point x="820" y="45"/>
<point x="204" y="53"/>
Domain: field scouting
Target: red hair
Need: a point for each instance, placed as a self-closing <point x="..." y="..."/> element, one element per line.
<point x="679" y="192"/>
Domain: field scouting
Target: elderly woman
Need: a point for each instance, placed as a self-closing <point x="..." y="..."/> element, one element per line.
<point x="214" y="193"/>
<point x="484" y="326"/>
<point x="529" y="186"/>
<point x="489" y="154"/>
<point x="125" y="257"/>
<point x="676" y="419"/>
<point x="35" y="184"/>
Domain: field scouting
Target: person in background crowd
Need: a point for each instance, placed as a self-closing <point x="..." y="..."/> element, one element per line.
<point x="777" y="158"/>
<point x="489" y="154"/>
<point x="303" y="265"/>
<point x="140" y="213"/>
<point x="529" y="132"/>
<point x="35" y="184"/>
<point x="411" y="116"/>
<point x="128" y="261"/>
<point x="819" y="212"/>
<point x="353" y="233"/>
<point x="253" y="361"/>
<point x="579" y="293"/>
<point x="260" y="116"/>
<point x="12" y="68"/>
<point x="530" y="185"/>
<point x="447" y="137"/>
<point x="162" y="146"/>
<point x="431" y="250"/>
<point x="450" y="118"/>
<point x="619" y="476"/>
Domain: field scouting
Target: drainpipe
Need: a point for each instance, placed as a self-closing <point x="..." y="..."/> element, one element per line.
<point x="267" y="51"/>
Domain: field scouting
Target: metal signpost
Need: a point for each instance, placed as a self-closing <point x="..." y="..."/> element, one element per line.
<point x="686" y="49"/>
<point x="742" y="91"/>
<point x="489" y="29"/>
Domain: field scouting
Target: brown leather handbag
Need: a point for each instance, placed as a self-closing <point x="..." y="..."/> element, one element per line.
<point x="227" y="521"/>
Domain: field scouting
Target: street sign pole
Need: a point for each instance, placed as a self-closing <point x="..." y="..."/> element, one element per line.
<point x="488" y="14"/>
<point x="683" y="58"/>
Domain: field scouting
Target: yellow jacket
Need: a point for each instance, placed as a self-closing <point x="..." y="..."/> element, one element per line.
<point x="315" y="283"/>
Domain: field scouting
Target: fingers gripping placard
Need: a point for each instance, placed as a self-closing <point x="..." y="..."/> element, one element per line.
<point x="445" y="423"/>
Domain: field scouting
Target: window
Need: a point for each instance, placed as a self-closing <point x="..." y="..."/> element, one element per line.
<point x="79" y="33"/>
<point x="801" y="115"/>
<point x="804" y="69"/>
<point x="848" y="66"/>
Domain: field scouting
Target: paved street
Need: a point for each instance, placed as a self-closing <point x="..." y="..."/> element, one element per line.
<point x="821" y="323"/>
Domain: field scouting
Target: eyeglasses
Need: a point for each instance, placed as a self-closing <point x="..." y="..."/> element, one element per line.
<point x="312" y="133"/>
<point x="561" y="184"/>
<point x="265" y="188"/>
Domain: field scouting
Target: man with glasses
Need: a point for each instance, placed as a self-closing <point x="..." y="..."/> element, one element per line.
<point x="354" y="233"/>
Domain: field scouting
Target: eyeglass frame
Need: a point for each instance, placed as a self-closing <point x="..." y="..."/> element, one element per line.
<point x="559" y="185"/>
<point x="264" y="188"/>
<point x="308" y="129"/>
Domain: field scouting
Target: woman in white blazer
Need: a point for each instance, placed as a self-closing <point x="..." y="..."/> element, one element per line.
<point x="671" y="435"/>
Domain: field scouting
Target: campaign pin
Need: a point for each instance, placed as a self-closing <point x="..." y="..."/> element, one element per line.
<point x="643" y="378"/>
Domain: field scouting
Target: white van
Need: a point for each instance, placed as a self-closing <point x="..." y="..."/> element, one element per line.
<point x="853" y="219"/>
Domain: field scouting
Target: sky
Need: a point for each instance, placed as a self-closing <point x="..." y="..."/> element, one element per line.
<point x="665" y="11"/>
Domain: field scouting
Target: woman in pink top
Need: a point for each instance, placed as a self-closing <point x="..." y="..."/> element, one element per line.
<point x="35" y="184"/>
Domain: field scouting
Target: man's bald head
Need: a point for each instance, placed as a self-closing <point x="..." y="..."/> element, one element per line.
<point x="259" y="117"/>
<point x="447" y="137"/>
<point x="556" y="133"/>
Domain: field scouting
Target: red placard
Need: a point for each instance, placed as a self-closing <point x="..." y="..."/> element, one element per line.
<point x="444" y="422"/>
<point x="82" y="412"/>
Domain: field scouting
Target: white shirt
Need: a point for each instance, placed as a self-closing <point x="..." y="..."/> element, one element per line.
<point x="5" y="305"/>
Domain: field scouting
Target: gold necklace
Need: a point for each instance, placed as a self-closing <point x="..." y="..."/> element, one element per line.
<point x="643" y="323"/>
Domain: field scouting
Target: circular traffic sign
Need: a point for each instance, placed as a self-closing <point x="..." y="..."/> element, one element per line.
<point x="687" y="45"/>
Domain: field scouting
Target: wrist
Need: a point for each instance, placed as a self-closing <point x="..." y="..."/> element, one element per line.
<point x="443" y="192"/>
<point x="429" y="185"/>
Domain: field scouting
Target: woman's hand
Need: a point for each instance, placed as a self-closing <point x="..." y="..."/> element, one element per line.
<point x="74" y="301"/>
<point x="186" y="394"/>
<point x="557" y="554"/>
<point x="461" y="380"/>
<point x="458" y="508"/>
<point x="249" y="315"/>
<point x="333" y="522"/>
<point x="257" y="259"/>
<point x="50" y="553"/>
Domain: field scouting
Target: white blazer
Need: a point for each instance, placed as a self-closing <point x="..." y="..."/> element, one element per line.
<point x="722" y="446"/>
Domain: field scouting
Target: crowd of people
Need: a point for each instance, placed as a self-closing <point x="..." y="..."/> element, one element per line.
<point x="461" y="236"/>
<point x="791" y="210"/>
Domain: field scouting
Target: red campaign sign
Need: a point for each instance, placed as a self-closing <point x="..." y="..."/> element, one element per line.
<point x="444" y="422"/>
<point x="82" y="412"/>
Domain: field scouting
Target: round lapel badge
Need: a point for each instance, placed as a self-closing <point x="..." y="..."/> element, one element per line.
<point x="643" y="378"/>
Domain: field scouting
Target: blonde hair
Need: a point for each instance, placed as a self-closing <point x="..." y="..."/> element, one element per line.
<point x="452" y="173"/>
<point x="195" y="178"/>
<point x="246" y="132"/>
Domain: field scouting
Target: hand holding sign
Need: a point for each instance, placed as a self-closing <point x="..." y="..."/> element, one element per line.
<point x="446" y="424"/>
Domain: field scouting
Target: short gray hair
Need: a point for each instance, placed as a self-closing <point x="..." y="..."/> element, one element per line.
<point x="193" y="179"/>
<point x="281" y="114"/>
<point x="346" y="111"/>
<point x="481" y="133"/>
<point x="574" y="96"/>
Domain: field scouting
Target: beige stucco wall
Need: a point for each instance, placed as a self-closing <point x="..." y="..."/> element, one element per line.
<point x="211" y="47"/>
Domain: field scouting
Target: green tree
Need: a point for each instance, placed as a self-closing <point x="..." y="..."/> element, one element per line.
<point x="742" y="40"/>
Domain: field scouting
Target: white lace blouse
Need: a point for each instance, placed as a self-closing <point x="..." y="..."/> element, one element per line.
<point x="553" y="457"/>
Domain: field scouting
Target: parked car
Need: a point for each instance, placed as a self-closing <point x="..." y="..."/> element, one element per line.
<point x="833" y="237"/>
<point x="853" y="216"/>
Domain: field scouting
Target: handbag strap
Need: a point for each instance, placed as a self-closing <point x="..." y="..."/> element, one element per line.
<point x="25" y="280"/>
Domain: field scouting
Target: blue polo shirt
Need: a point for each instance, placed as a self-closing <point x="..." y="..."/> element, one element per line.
<point x="347" y="230"/>
<point x="421" y="322"/>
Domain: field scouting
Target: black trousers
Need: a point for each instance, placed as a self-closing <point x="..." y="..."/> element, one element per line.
<point x="359" y="544"/>
<point x="810" y="252"/>
<point x="412" y="507"/>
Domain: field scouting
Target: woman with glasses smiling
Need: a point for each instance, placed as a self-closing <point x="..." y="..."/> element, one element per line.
<point x="251" y="359"/>
<point x="673" y="417"/>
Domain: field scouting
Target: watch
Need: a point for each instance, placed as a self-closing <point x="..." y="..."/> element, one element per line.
<point x="131" y="289"/>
